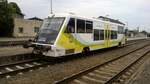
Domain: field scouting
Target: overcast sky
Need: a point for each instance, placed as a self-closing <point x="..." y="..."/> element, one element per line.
<point x="135" y="12"/>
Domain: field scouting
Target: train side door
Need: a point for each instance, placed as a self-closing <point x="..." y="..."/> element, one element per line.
<point x="107" y="35"/>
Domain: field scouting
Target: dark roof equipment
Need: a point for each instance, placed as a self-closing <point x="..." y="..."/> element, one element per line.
<point x="111" y="20"/>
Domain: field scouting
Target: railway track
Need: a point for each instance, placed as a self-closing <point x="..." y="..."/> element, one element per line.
<point x="27" y="65"/>
<point x="14" y="68"/>
<point x="112" y="72"/>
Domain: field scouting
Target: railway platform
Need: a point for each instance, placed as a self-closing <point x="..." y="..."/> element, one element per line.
<point x="6" y="42"/>
<point x="9" y="51"/>
<point x="25" y="39"/>
<point x="13" y="39"/>
<point x="14" y="54"/>
<point x="14" y="50"/>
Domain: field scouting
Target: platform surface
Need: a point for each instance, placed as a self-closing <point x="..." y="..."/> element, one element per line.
<point x="21" y="39"/>
<point x="14" y="39"/>
<point x="15" y="50"/>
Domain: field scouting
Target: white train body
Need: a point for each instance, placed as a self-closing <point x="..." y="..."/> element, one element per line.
<point x="66" y="34"/>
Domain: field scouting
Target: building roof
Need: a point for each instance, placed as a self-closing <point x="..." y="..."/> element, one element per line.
<point x="111" y="20"/>
<point x="18" y="15"/>
<point x="21" y="14"/>
<point x="35" y="18"/>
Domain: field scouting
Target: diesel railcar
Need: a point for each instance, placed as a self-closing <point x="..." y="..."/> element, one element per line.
<point x="67" y="34"/>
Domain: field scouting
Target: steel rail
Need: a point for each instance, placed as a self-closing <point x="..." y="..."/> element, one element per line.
<point x="76" y="75"/>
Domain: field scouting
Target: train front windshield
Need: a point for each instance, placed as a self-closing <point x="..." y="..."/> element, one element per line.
<point x="49" y="30"/>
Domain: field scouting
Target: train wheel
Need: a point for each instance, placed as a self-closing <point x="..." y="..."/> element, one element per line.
<point x="120" y="44"/>
<point x="85" y="51"/>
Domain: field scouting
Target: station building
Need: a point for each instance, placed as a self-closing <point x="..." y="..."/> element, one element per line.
<point x="26" y="27"/>
<point x="135" y="33"/>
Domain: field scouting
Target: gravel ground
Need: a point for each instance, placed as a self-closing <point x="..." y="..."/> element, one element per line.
<point x="143" y="76"/>
<point x="58" y="71"/>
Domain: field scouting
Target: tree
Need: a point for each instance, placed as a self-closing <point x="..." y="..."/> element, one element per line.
<point x="14" y="8"/>
<point x="6" y="19"/>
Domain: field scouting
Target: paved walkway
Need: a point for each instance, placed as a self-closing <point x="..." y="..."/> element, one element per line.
<point x="136" y="38"/>
<point x="20" y="39"/>
<point x="14" y="50"/>
<point x="14" y="39"/>
<point x="9" y="51"/>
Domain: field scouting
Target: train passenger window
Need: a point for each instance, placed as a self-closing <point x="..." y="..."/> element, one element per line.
<point x="89" y="26"/>
<point x="71" y="26"/>
<point x="80" y="26"/>
<point x="96" y="34"/>
<point x="120" y="30"/>
<point x="101" y="34"/>
<point x="113" y="34"/>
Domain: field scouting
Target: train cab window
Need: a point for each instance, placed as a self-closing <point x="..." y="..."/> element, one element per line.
<point x="80" y="26"/>
<point x="101" y="34"/>
<point x="120" y="30"/>
<point x="71" y="26"/>
<point x="89" y="26"/>
<point x="113" y="34"/>
<point x="96" y="34"/>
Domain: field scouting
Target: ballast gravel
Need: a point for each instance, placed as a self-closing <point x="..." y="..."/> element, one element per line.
<point x="52" y="73"/>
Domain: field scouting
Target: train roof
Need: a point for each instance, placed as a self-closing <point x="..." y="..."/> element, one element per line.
<point x="100" y="18"/>
<point x="111" y="20"/>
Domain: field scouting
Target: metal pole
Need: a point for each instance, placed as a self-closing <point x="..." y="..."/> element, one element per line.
<point x="126" y="29"/>
<point x="51" y="7"/>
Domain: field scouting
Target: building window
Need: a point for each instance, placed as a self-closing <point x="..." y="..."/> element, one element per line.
<point x="80" y="26"/>
<point x="20" y="29"/>
<point x="113" y="34"/>
<point x="36" y="29"/>
<point x="71" y="26"/>
<point x="89" y="26"/>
